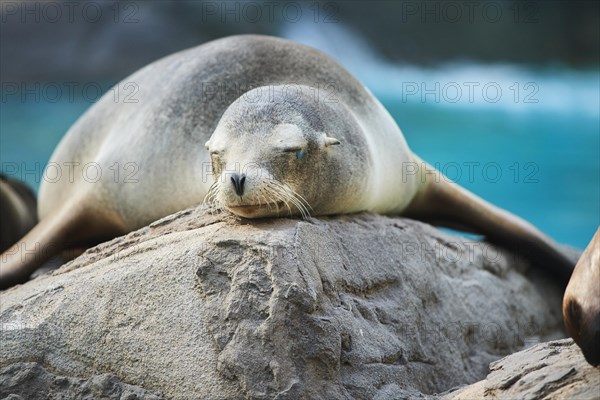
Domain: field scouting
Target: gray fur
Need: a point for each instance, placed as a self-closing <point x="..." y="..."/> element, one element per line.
<point x="163" y="134"/>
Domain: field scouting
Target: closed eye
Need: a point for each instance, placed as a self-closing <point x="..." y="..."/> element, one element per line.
<point x="292" y="149"/>
<point x="298" y="150"/>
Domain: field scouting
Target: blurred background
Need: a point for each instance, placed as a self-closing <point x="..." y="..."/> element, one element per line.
<point x="501" y="96"/>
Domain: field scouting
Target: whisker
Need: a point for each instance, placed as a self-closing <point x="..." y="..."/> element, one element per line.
<point x="303" y="205"/>
<point x="287" y="198"/>
<point x="210" y="199"/>
<point x="292" y="197"/>
<point x="281" y="196"/>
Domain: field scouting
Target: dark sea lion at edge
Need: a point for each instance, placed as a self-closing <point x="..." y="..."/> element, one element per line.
<point x="581" y="302"/>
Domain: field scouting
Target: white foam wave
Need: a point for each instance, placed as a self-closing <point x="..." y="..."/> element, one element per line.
<point x="501" y="87"/>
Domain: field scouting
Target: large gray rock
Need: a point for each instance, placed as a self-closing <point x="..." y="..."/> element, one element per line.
<point x="211" y="306"/>
<point x="553" y="370"/>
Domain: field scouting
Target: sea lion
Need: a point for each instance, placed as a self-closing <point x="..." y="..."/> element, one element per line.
<point x="287" y="130"/>
<point x="581" y="302"/>
<point x="17" y="211"/>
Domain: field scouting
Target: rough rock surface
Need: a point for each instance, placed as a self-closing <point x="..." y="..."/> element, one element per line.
<point x="211" y="306"/>
<point x="552" y="370"/>
<point x="24" y="381"/>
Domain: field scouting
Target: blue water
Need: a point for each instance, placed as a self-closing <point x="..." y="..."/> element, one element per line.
<point x="29" y="132"/>
<point x="549" y="163"/>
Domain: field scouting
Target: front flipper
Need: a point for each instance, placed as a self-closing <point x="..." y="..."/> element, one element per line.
<point x="66" y="227"/>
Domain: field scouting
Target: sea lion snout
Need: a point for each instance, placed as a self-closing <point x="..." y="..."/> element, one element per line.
<point x="592" y="344"/>
<point x="238" y="181"/>
<point x="581" y="302"/>
<point x="584" y="328"/>
<point x="590" y="339"/>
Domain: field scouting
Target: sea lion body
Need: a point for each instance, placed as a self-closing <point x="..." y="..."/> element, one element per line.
<point x="288" y="132"/>
<point x="581" y="302"/>
<point x="17" y="211"/>
<point x="181" y="99"/>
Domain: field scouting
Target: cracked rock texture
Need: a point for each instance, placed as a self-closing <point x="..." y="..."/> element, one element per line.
<point x="24" y="381"/>
<point x="210" y="306"/>
<point x="552" y="370"/>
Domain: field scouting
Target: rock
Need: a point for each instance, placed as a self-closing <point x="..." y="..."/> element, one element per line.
<point x="361" y="306"/>
<point x="31" y="381"/>
<point x="552" y="370"/>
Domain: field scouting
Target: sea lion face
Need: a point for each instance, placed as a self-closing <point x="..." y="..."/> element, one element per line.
<point x="268" y="159"/>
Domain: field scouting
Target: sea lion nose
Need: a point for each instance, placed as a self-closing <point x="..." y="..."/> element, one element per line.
<point x="584" y="327"/>
<point x="238" y="181"/>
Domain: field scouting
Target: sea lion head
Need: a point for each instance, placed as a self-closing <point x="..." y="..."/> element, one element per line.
<point x="273" y="154"/>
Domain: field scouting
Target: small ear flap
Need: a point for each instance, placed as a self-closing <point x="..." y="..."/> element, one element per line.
<point x="331" y="141"/>
<point x="207" y="144"/>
